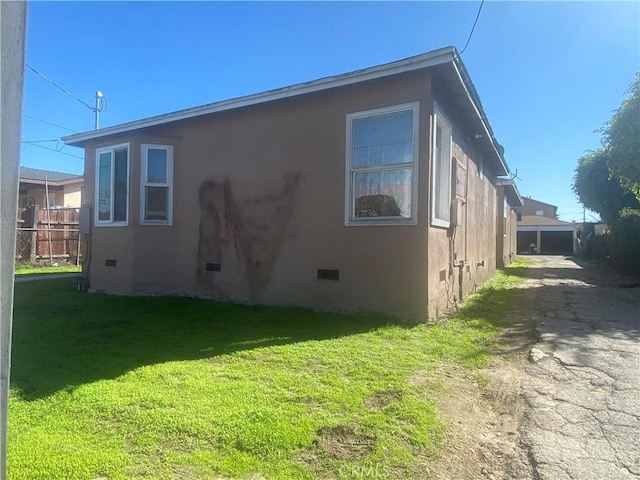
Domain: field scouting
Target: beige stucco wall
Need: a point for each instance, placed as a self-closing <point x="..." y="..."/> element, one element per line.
<point x="461" y="258"/>
<point x="276" y="176"/>
<point x="531" y="206"/>
<point x="72" y="194"/>
<point x="261" y="191"/>
<point x="38" y="193"/>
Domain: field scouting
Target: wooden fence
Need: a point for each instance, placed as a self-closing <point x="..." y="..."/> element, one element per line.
<point x="48" y="235"/>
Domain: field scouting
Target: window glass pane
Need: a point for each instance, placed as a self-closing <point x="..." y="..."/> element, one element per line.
<point x="120" y="186"/>
<point x="443" y="175"/>
<point x="104" y="186"/>
<point x="156" y="165"/>
<point x="382" y="140"/>
<point x="157" y="201"/>
<point x="383" y="194"/>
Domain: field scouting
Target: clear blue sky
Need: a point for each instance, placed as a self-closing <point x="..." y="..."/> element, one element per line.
<point x="549" y="74"/>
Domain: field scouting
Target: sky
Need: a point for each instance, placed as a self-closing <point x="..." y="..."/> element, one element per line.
<point x="549" y="74"/>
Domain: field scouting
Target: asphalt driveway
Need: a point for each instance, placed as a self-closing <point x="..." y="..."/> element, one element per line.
<point x="582" y="385"/>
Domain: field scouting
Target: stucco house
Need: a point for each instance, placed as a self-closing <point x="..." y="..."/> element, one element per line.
<point x="508" y="201"/>
<point x="64" y="188"/>
<point x="374" y="190"/>
<point x="540" y="231"/>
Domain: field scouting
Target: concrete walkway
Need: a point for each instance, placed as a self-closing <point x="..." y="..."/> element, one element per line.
<point x="582" y="385"/>
<point x="44" y="276"/>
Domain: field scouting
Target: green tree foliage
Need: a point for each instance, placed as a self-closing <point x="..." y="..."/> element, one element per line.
<point x="598" y="189"/>
<point x="625" y="241"/>
<point x="622" y="140"/>
<point x="608" y="180"/>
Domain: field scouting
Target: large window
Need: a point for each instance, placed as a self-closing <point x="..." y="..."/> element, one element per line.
<point x="112" y="185"/>
<point x="441" y="175"/>
<point x="382" y="163"/>
<point x="156" y="184"/>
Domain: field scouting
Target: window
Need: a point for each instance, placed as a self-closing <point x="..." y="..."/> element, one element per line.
<point x="505" y="209"/>
<point x="382" y="164"/>
<point x="441" y="187"/>
<point x="156" y="184"/>
<point x="540" y="213"/>
<point x="112" y="185"/>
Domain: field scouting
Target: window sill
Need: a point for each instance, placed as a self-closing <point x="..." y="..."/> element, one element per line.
<point x="380" y="223"/>
<point x="119" y="224"/>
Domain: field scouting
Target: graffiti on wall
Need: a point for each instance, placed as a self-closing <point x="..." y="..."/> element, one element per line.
<point x="254" y="227"/>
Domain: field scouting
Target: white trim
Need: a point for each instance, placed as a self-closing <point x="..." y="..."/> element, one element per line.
<point x="439" y="117"/>
<point x="482" y="120"/>
<point x="350" y="179"/>
<point x="111" y="149"/>
<point x="144" y="165"/>
<point x="436" y="57"/>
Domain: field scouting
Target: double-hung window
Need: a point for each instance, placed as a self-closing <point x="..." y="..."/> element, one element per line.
<point x="112" y="185"/>
<point x="156" y="184"/>
<point x="382" y="166"/>
<point x="441" y="174"/>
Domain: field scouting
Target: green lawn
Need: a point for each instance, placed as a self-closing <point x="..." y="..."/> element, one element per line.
<point x="113" y="388"/>
<point x="33" y="270"/>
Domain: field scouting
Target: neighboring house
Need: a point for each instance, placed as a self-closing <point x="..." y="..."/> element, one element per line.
<point x="369" y="191"/>
<point x="540" y="231"/>
<point x="508" y="200"/>
<point x="64" y="188"/>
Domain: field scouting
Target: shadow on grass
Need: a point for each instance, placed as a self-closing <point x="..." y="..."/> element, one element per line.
<point x="63" y="339"/>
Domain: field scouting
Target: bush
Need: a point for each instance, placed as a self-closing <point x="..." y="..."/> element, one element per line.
<point x="625" y="241"/>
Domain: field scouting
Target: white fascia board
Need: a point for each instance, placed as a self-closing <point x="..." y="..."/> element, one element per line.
<point x="436" y="57"/>
<point x="487" y="131"/>
<point x="509" y="183"/>
<point x="547" y="228"/>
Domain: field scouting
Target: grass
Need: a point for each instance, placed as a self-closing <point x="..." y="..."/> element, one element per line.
<point x="165" y="387"/>
<point x="34" y="270"/>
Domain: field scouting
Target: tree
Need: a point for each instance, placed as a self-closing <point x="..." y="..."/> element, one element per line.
<point x="622" y="141"/>
<point x="600" y="190"/>
<point x="608" y="180"/>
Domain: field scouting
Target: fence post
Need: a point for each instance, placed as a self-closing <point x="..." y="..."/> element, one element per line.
<point x="34" y="234"/>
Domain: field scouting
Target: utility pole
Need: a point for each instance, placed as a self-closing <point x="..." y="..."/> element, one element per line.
<point x="13" y="18"/>
<point x="98" y="109"/>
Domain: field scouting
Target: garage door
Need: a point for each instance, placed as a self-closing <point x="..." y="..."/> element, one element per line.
<point x="556" y="243"/>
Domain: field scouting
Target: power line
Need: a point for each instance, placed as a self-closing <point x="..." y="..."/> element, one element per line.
<point x="41" y="141"/>
<point x="472" y="28"/>
<point x="52" y="149"/>
<point x="93" y="109"/>
<point x="50" y="123"/>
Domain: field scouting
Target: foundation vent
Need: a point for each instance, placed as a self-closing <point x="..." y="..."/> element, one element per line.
<point x="110" y="262"/>
<point x="213" y="267"/>
<point x="328" y="274"/>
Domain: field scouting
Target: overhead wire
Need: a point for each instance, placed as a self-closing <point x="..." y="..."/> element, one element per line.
<point x="50" y="123"/>
<point x="53" y="150"/>
<point x="61" y="88"/>
<point x="472" y="28"/>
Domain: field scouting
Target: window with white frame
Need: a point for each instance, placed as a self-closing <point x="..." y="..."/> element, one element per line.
<point x="441" y="175"/>
<point x="156" y="184"/>
<point x="112" y="185"/>
<point x="505" y="208"/>
<point x="382" y="164"/>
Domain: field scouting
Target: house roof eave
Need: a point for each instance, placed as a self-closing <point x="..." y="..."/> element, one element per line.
<point x="436" y="57"/>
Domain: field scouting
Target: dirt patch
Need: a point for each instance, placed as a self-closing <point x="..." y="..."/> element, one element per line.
<point x="485" y="408"/>
<point x="380" y="400"/>
<point x="343" y="443"/>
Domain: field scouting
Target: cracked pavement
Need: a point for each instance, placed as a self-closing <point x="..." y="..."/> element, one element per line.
<point x="582" y="384"/>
